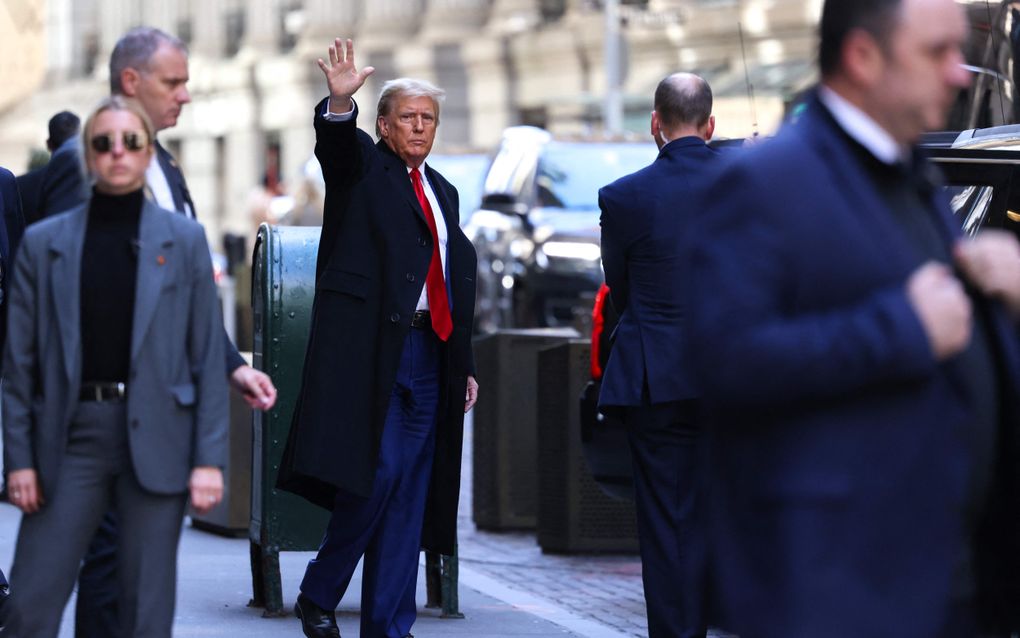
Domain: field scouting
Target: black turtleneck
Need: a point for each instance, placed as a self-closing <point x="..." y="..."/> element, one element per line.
<point x="109" y="268"/>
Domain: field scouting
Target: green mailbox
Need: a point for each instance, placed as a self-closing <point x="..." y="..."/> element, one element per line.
<point x="283" y="286"/>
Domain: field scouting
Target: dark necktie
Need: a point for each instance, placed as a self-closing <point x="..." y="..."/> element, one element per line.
<point x="435" y="284"/>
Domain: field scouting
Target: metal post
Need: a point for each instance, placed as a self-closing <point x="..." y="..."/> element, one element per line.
<point x="612" y="110"/>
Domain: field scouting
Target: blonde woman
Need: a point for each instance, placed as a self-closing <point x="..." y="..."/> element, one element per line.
<point x="114" y="394"/>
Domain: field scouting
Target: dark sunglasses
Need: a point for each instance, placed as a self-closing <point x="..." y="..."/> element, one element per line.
<point x="133" y="141"/>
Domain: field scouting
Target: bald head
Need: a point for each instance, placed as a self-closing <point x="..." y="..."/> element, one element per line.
<point x="683" y="107"/>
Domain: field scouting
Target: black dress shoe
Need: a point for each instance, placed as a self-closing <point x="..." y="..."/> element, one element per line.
<point x="316" y="622"/>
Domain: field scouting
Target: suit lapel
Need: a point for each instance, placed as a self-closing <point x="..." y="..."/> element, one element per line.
<point x="397" y="171"/>
<point x="175" y="179"/>
<point x="154" y="260"/>
<point x="65" y="285"/>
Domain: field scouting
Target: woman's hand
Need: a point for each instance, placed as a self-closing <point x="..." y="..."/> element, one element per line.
<point x="23" y="490"/>
<point x="206" y="487"/>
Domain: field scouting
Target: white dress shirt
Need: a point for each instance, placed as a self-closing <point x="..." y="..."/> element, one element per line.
<point x="862" y="128"/>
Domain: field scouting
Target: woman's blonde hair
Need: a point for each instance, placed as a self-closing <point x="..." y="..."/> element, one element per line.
<point x="114" y="103"/>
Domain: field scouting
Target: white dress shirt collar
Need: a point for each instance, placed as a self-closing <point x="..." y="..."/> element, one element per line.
<point x="861" y="127"/>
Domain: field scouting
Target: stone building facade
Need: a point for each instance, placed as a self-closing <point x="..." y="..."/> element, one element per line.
<point x="503" y="62"/>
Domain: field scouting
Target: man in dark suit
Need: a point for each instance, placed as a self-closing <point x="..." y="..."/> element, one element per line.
<point x="645" y="217"/>
<point x="59" y="184"/>
<point x="389" y="370"/>
<point x="859" y="359"/>
<point x="151" y="66"/>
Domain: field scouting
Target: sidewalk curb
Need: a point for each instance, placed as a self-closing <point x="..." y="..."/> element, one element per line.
<point x="536" y="606"/>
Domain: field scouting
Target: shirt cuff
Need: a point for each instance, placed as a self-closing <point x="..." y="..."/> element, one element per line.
<point x="336" y="117"/>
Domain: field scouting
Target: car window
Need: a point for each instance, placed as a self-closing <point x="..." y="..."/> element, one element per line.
<point x="970" y="205"/>
<point x="570" y="175"/>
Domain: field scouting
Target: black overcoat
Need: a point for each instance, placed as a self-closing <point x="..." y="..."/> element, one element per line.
<point x="374" y="253"/>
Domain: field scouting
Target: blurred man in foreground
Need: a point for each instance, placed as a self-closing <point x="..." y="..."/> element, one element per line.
<point x="859" y="358"/>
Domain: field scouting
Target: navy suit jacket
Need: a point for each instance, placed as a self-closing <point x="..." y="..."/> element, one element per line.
<point x="839" y="465"/>
<point x="10" y="236"/>
<point x="55" y="187"/>
<point x="645" y="219"/>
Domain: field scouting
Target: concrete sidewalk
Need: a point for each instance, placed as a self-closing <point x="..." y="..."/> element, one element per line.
<point x="214" y="586"/>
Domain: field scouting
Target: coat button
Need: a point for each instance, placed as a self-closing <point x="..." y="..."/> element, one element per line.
<point x="422" y="241"/>
<point x="395" y="317"/>
<point x="134" y="423"/>
<point x="410" y="277"/>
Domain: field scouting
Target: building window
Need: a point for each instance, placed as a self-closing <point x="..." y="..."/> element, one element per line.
<point x="184" y="31"/>
<point x="234" y="25"/>
<point x="292" y="22"/>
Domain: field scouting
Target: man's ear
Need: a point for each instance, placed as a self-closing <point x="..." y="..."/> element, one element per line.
<point x="710" y="128"/>
<point x="654" y="125"/>
<point x="863" y="58"/>
<point x="384" y="128"/>
<point x="129" y="81"/>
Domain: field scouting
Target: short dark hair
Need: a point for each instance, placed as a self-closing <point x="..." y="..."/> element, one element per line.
<point x="682" y="98"/>
<point x="135" y="49"/>
<point x="63" y="126"/>
<point x="841" y="17"/>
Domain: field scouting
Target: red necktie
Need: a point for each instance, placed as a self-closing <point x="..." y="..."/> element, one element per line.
<point x="435" y="283"/>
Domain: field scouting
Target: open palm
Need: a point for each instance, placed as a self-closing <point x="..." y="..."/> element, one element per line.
<point x="342" y="76"/>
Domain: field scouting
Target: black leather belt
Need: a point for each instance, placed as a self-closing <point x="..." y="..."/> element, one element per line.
<point x="110" y="391"/>
<point x="421" y="319"/>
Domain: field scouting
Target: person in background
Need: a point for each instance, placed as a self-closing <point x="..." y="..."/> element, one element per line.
<point x="59" y="184"/>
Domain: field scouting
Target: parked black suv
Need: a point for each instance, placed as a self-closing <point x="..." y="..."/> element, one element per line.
<point x="537" y="231"/>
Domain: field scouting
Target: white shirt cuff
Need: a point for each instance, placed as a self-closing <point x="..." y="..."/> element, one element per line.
<point x="337" y="117"/>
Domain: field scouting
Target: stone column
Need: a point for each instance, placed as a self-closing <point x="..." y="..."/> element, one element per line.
<point x="514" y="16"/>
<point x="389" y="23"/>
<point x="452" y="20"/>
<point x="325" y="20"/>
<point x="116" y="17"/>
<point x="207" y="28"/>
<point x="261" y="34"/>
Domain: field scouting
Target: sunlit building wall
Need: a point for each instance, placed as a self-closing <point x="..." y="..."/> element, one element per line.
<point x="503" y="62"/>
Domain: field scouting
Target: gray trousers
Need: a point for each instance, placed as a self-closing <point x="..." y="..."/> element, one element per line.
<point x="95" y="475"/>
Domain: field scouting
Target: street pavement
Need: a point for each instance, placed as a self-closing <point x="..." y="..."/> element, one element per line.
<point x="508" y="587"/>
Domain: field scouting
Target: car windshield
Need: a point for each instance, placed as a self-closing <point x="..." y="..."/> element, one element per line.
<point x="571" y="174"/>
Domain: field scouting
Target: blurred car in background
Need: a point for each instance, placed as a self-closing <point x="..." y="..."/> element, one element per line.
<point x="466" y="172"/>
<point x="537" y="229"/>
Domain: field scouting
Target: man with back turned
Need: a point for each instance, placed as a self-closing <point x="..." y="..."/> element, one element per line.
<point x="645" y="218"/>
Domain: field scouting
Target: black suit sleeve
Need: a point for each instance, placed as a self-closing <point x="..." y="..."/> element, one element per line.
<point x="63" y="185"/>
<point x="338" y="149"/>
<point x="234" y="358"/>
<point x="614" y="254"/>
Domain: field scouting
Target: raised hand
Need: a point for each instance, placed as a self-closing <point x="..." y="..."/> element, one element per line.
<point x="342" y="76"/>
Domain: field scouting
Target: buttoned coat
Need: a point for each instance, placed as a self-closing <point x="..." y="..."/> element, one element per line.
<point x="839" y="468"/>
<point x="374" y="254"/>
<point x="176" y="393"/>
